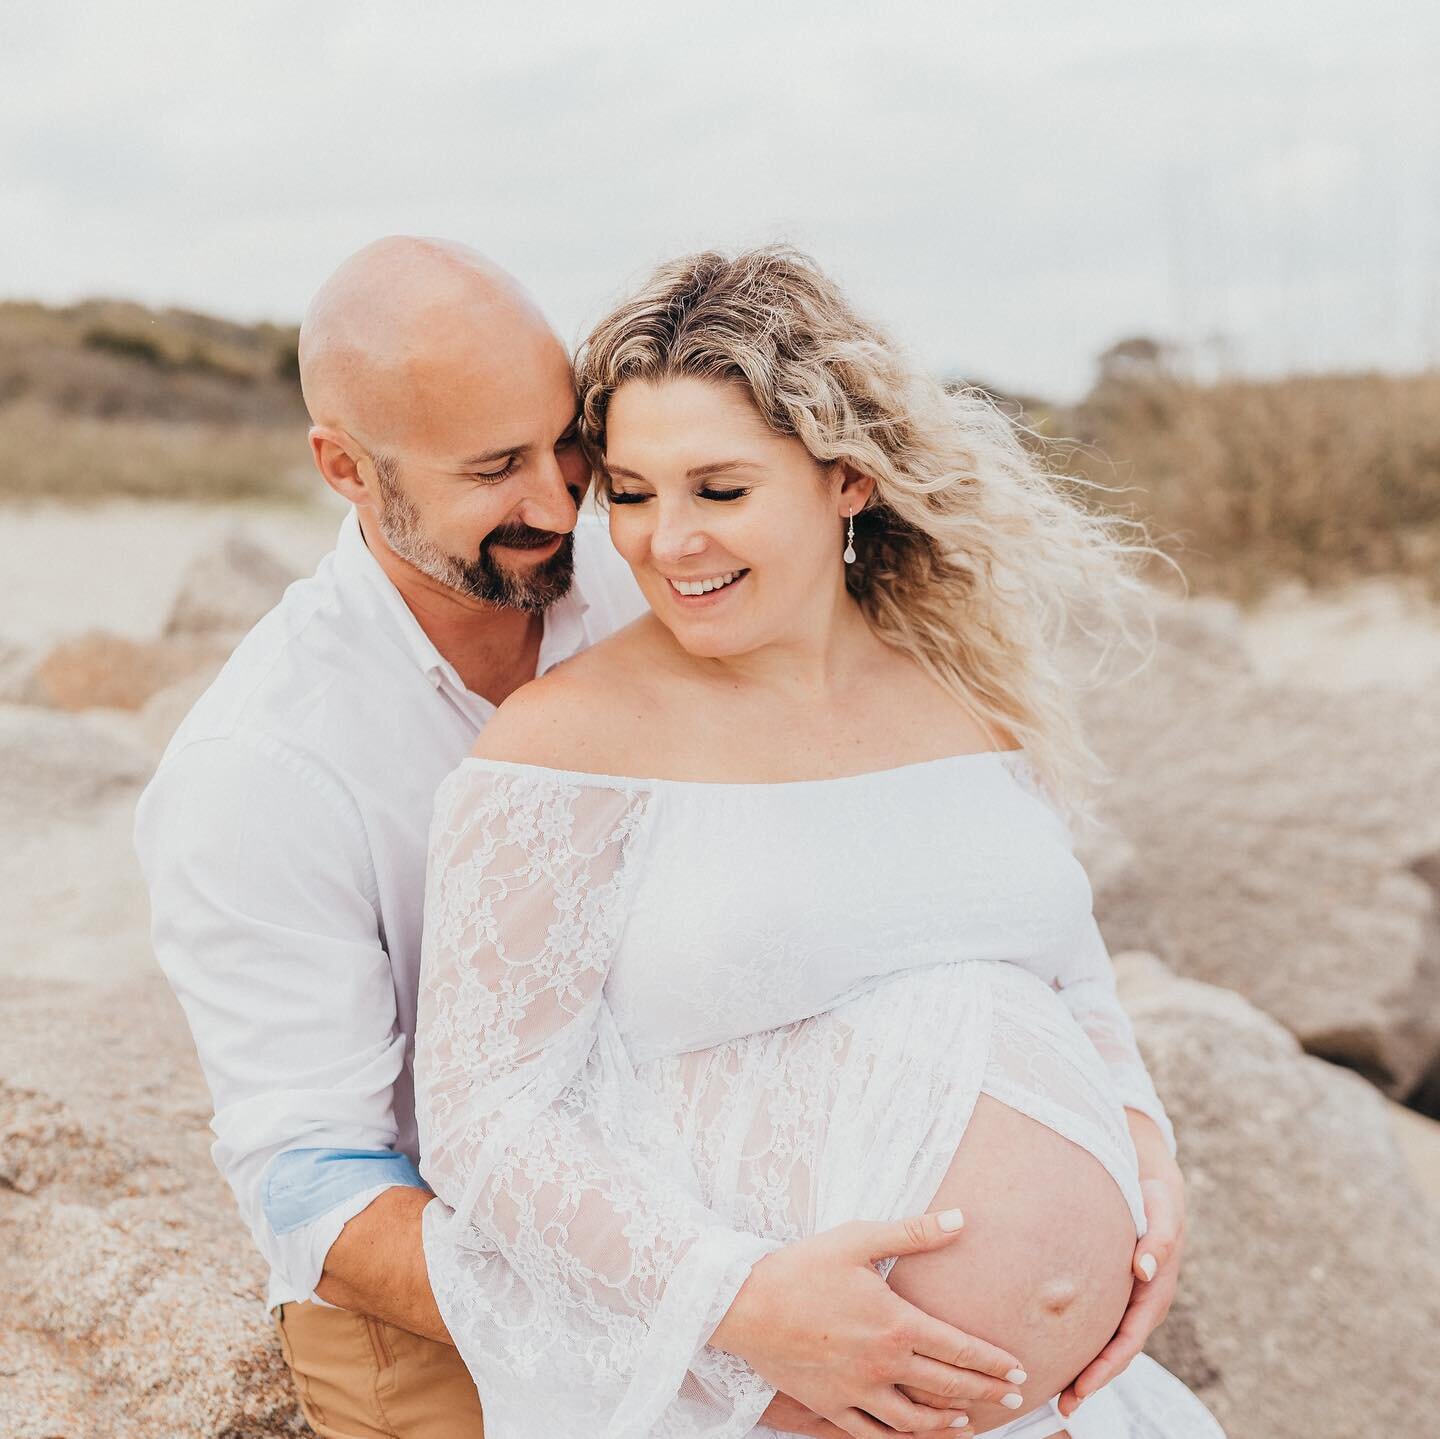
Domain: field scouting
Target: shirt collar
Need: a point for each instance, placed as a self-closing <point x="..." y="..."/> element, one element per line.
<point x="565" y="630"/>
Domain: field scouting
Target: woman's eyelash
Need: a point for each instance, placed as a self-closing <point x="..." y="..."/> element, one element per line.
<point x="634" y="497"/>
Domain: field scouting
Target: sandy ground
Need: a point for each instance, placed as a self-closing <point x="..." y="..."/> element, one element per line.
<point x="119" y="566"/>
<point x="75" y="907"/>
<point x="1376" y="632"/>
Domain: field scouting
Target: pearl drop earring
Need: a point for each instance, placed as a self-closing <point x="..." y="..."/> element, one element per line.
<point x="850" y="541"/>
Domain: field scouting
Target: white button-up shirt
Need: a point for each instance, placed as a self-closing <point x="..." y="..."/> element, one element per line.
<point x="284" y="838"/>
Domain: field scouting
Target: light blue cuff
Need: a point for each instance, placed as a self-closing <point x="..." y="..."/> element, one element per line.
<point x="301" y="1185"/>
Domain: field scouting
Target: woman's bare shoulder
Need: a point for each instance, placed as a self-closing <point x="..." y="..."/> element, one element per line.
<point x="585" y="714"/>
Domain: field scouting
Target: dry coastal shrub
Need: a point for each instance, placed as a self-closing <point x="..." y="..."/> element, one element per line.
<point x="1326" y="477"/>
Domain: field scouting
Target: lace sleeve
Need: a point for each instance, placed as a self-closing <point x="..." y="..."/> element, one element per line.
<point x="576" y="1266"/>
<point x="1086" y="983"/>
<point x="1087" y="987"/>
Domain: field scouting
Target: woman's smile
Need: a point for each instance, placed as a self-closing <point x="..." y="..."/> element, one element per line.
<point x="704" y="591"/>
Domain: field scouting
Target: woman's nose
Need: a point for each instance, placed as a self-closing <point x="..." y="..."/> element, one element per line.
<point x="676" y="536"/>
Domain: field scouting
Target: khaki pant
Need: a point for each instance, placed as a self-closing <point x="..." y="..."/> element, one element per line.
<point x="358" y="1378"/>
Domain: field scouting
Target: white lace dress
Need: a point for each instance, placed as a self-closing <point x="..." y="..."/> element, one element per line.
<point x="668" y="1026"/>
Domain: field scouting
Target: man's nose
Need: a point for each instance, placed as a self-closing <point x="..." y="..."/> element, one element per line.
<point x="552" y="496"/>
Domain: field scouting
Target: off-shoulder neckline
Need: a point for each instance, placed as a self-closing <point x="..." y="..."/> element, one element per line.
<point x="614" y="781"/>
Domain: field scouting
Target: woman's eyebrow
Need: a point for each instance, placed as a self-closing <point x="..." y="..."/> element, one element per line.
<point x="719" y="467"/>
<point x="699" y="472"/>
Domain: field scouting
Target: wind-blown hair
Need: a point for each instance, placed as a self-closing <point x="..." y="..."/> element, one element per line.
<point x="972" y="556"/>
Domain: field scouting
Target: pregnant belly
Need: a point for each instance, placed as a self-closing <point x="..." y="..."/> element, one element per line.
<point x="1043" y="1266"/>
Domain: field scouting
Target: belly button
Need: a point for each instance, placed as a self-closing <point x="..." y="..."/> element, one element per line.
<point x="1057" y="1295"/>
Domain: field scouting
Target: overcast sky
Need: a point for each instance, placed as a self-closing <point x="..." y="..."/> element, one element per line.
<point x="1009" y="187"/>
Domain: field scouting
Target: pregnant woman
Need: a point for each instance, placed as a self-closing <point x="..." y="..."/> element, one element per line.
<point x="762" y="917"/>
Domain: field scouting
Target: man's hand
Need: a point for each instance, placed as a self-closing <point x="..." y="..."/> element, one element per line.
<point x="1155" y="1263"/>
<point x="818" y="1322"/>
<point x="792" y="1417"/>
<point x="376" y="1265"/>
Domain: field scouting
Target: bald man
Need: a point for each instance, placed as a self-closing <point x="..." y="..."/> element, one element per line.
<point x="284" y="834"/>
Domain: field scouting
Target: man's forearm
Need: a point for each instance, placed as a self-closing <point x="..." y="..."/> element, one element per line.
<point x="376" y="1265"/>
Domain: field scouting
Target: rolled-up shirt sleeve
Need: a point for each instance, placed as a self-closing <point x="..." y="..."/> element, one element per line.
<point x="265" y="921"/>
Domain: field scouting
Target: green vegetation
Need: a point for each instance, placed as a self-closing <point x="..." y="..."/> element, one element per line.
<point x="108" y="399"/>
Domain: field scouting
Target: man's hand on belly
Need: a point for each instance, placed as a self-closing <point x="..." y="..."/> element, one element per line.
<point x="376" y="1265"/>
<point x="790" y="1416"/>
<point x="1156" y="1262"/>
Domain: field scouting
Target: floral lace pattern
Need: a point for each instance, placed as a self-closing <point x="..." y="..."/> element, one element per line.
<point x="579" y="1251"/>
<point x="620" y="1122"/>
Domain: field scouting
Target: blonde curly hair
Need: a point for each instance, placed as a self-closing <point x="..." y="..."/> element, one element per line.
<point x="972" y="556"/>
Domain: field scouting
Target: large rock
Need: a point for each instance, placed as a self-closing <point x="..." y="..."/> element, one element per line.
<point x="75" y="904"/>
<point x="1272" y="835"/>
<point x="17" y="674"/>
<point x="224" y="592"/>
<point x="1419" y="1140"/>
<point x="157" y="722"/>
<point x="169" y="1337"/>
<point x="1309" y="1299"/>
<point x="99" y="670"/>
<point x="53" y="764"/>
<point x="133" y="1297"/>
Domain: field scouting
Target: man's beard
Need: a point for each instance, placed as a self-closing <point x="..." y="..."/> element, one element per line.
<point x="482" y="578"/>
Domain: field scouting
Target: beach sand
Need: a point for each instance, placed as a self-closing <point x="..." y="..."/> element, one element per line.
<point x="1371" y="633"/>
<point x="118" y="566"/>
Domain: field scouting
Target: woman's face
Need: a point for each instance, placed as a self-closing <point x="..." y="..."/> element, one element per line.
<point x="705" y="495"/>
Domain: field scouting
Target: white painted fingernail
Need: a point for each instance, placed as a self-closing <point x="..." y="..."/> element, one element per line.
<point x="1147" y="1265"/>
<point x="959" y="1421"/>
<point x="951" y="1220"/>
<point x="1011" y="1401"/>
<point x="1017" y="1376"/>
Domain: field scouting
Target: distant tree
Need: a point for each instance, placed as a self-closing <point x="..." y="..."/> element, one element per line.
<point x="287" y="363"/>
<point x="127" y="346"/>
<point x="1137" y="358"/>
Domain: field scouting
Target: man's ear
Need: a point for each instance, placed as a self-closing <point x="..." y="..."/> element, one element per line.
<point x="337" y="456"/>
<point x="855" y="488"/>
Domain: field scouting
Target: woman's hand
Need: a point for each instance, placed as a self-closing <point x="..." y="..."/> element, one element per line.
<point x="818" y="1322"/>
<point x="1155" y="1263"/>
